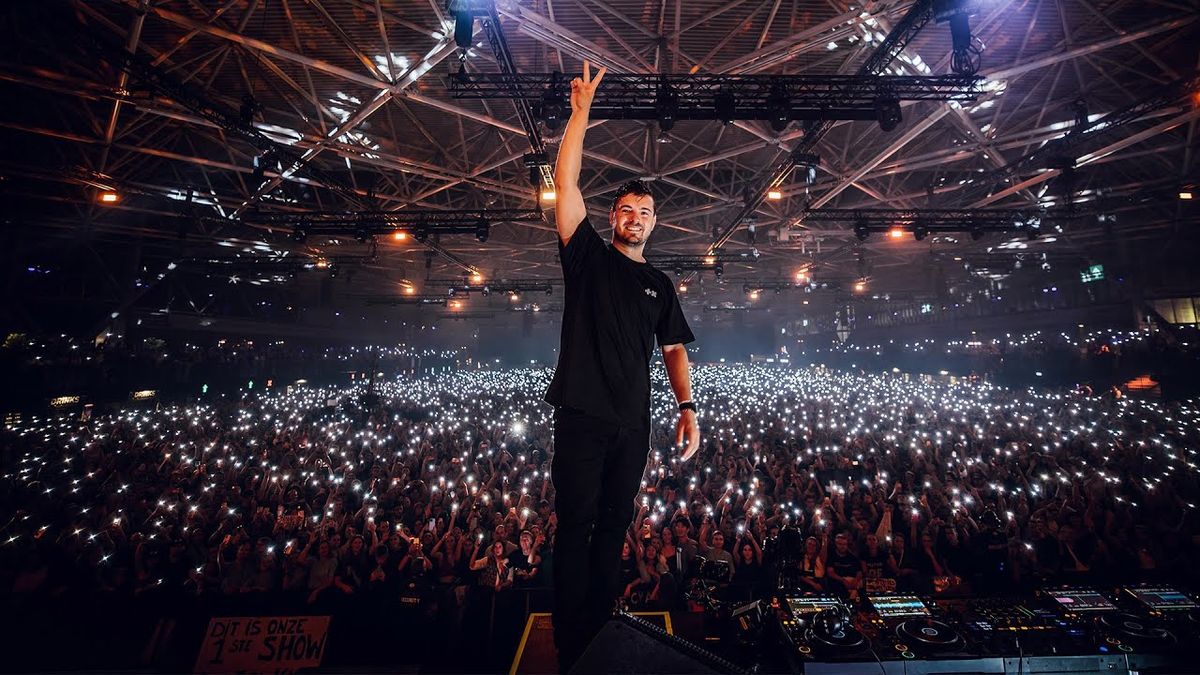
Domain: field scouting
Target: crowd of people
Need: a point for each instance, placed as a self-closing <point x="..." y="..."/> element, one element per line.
<point x="440" y="494"/>
<point x="1097" y="357"/>
<point x="106" y="371"/>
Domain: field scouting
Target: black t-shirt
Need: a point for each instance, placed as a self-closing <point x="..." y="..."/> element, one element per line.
<point x="614" y="310"/>
<point x="874" y="564"/>
<point x="847" y="566"/>
<point x="518" y="561"/>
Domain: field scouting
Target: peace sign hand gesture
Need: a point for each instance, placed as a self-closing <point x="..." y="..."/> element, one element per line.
<point x="584" y="88"/>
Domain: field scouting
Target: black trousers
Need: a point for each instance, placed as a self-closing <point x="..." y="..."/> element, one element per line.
<point x="597" y="471"/>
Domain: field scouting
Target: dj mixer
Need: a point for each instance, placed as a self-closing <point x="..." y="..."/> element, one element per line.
<point x="1057" y="630"/>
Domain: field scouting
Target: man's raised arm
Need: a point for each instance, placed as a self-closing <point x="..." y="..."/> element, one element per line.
<point x="569" y="209"/>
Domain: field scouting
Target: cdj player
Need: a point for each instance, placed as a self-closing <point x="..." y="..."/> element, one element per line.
<point x="907" y="627"/>
<point x="1157" y="609"/>
<point x="1065" y="629"/>
<point x="810" y="638"/>
<point x="1092" y="622"/>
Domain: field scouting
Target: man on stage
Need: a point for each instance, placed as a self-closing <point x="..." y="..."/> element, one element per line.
<point x="616" y="306"/>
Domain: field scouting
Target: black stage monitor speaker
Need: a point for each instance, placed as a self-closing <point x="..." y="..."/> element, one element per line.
<point x="627" y="644"/>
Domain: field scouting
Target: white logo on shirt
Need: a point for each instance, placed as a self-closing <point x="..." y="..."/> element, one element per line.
<point x="651" y="292"/>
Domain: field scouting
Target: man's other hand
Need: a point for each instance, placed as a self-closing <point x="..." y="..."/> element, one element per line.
<point x="687" y="427"/>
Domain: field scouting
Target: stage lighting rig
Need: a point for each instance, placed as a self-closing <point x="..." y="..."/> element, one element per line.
<point x="777" y="99"/>
<point x="409" y="300"/>
<point x="714" y="261"/>
<point x="509" y="287"/>
<point x="420" y="223"/>
<point x="554" y="104"/>
<point x="266" y="269"/>
<point x="779" y="285"/>
<point x="965" y="53"/>
<point x="922" y="222"/>
<point x="902" y="33"/>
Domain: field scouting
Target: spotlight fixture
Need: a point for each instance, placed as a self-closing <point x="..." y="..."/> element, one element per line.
<point x="774" y="195"/>
<point x="726" y="107"/>
<point x="965" y="54"/>
<point x="779" y="106"/>
<point x="887" y="112"/>
<point x="514" y="297"/>
<point x="299" y="234"/>
<point x="666" y="105"/>
<point x="807" y="164"/>
<point x="464" y="26"/>
<point x="1186" y="195"/>
<point x="683" y="288"/>
<point x="248" y="110"/>
<point x="754" y="295"/>
<point x="548" y="195"/>
<point x="862" y="231"/>
<point x="549" y="291"/>
<point x="920" y="231"/>
<point x="896" y="232"/>
<point x="110" y="197"/>
<point x="860" y="286"/>
<point x="720" y="271"/>
<point x="399" y="235"/>
<point x="553" y="108"/>
<point x="476" y="278"/>
<point x="481" y="230"/>
<point x="422" y="233"/>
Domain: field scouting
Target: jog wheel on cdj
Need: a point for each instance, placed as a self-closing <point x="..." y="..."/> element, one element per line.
<point x="929" y="634"/>
<point x="843" y="639"/>
<point x="1135" y="630"/>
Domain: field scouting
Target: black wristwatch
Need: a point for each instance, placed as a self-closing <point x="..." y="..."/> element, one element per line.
<point x="687" y="405"/>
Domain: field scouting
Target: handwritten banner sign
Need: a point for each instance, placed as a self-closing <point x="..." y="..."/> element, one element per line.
<point x="262" y="644"/>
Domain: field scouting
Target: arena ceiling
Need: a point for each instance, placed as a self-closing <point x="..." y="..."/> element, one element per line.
<point x="360" y="88"/>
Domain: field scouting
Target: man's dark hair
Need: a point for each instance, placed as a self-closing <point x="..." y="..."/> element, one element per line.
<point x="634" y="187"/>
